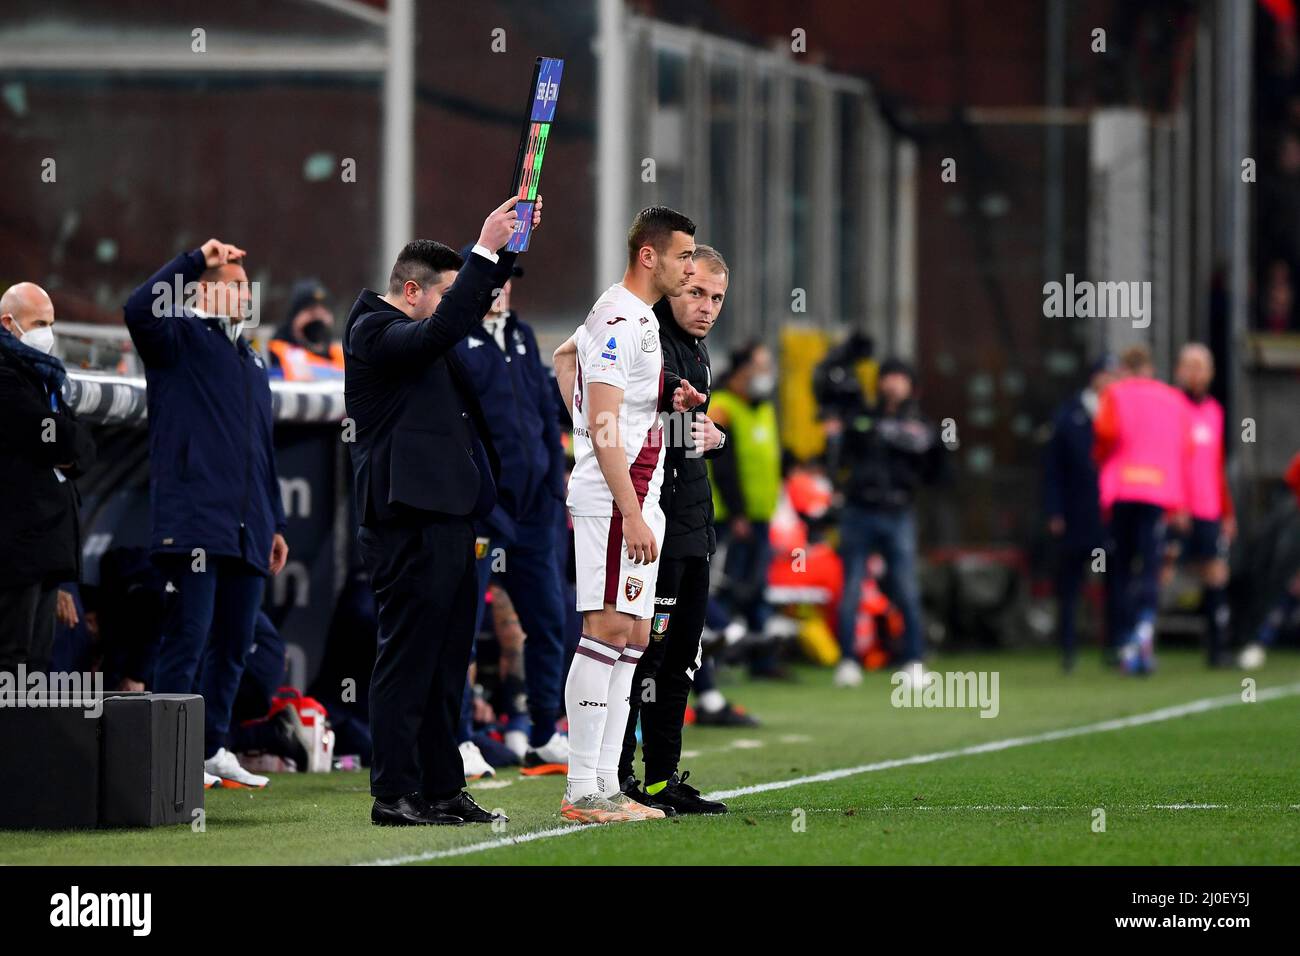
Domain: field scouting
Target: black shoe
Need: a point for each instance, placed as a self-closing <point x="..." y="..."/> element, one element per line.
<point x="462" y="805"/>
<point x="411" y="810"/>
<point x="683" y="798"/>
<point x="631" y="787"/>
<point x="725" y="716"/>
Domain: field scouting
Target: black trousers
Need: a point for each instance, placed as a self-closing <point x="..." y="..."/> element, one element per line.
<point x="425" y="588"/>
<point x="662" y="682"/>
<point x="27" y="627"/>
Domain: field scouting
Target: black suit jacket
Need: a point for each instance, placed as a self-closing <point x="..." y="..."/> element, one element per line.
<point x="422" y="448"/>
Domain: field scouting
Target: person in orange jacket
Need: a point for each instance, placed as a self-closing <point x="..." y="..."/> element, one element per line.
<point x="303" y="348"/>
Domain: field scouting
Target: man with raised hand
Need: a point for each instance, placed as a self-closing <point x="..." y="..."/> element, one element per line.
<point x="424" y="470"/>
<point x="218" y="522"/>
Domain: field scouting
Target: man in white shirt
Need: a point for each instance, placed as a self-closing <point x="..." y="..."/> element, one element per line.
<point x="611" y="375"/>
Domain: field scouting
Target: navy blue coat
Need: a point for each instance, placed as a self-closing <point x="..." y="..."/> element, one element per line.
<point x="1070" y="477"/>
<point x="212" y="478"/>
<point x="518" y="400"/>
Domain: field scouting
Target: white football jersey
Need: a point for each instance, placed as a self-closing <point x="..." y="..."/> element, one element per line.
<point x="618" y="345"/>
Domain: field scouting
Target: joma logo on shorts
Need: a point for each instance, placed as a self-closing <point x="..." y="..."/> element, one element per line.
<point x="592" y="703"/>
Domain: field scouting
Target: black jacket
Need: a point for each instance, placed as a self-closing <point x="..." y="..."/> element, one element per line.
<point x="1070" y="476"/>
<point x="422" y="447"/>
<point x="887" y="456"/>
<point x="40" y="535"/>
<point x="686" y="499"/>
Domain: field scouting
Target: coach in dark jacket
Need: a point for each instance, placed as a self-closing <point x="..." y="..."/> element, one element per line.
<point x="1071" y="499"/>
<point x="42" y="449"/>
<point x="682" y="592"/>
<point x="423" y="464"/>
<point x="217" y="518"/>
<point x="519" y="399"/>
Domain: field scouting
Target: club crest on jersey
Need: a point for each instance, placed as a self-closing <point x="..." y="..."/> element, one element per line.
<point x="649" y="341"/>
<point x="660" y="624"/>
<point x="632" y="588"/>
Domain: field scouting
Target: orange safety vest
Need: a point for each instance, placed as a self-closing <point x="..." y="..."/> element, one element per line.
<point x="303" y="365"/>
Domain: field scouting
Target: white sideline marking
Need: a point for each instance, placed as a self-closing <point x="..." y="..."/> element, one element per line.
<point x="1118" y="723"/>
<point x="1000" y="808"/>
<point x="477" y="847"/>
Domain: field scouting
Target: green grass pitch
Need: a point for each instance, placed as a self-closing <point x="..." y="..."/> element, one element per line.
<point x="1214" y="786"/>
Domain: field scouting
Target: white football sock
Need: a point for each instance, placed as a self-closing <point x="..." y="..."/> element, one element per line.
<point x="586" y="695"/>
<point x="620" y="692"/>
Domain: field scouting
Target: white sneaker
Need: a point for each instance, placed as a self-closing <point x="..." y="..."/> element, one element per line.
<point x="517" y="743"/>
<point x="230" y="774"/>
<point x="551" y="757"/>
<point x="210" y="780"/>
<point x="735" y="632"/>
<point x="476" y="768"/>
<point x="848" y="673"/>
<point x="915" y="675"/>
<point x="1251" y="657"/>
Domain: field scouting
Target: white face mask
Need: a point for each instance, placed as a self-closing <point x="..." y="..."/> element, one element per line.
<point x="41" y="338"/>
<point x="762" y="385"/>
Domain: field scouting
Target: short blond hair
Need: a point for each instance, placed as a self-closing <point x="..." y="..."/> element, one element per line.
<point x="714" y="259"/>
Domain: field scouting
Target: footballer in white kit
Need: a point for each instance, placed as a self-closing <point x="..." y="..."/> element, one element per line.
<point x="618" y="345"/>
<point x="611" y="376"/>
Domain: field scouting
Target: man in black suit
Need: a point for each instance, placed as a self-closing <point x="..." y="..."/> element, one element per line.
<point x="423" y="463"/>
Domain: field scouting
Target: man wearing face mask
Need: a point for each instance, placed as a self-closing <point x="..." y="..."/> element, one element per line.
<point x="218" y="523"/>
<point x="517" y="538"/>
<point x="746" y="486"/>
<point x="42" y="448"/>
<point x="303" y="347"/>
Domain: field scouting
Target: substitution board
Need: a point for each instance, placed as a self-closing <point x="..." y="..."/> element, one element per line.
<point x="543" y="94"/>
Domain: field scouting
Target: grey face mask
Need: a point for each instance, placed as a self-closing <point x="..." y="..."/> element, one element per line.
<point x="763" y="385"/>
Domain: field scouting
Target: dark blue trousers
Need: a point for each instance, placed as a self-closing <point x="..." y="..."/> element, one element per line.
<point x="207" y="633"/>
<point x="1136" y="538"/>
<point x="531" y="577"/>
